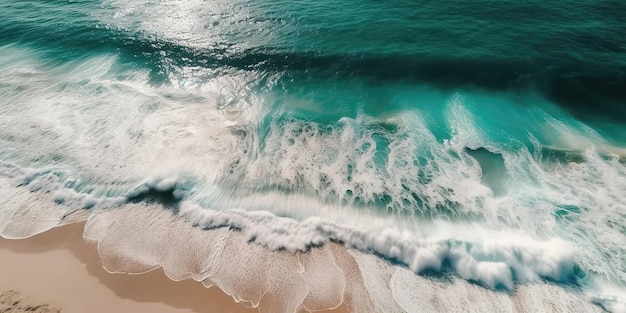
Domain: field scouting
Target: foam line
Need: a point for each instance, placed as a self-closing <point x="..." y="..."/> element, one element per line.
<point x="499" y="263"/>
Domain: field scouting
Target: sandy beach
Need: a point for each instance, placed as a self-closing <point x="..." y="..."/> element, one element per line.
<point x="60" y="269"/>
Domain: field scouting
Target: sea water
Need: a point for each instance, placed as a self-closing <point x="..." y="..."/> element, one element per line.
<point x="469" y="155"/>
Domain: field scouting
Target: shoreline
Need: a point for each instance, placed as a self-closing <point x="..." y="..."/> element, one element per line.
<point x="63" y="270"/>
<point x="60" y="269"/>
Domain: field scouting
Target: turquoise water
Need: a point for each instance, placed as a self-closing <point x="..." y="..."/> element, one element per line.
<point x="374" y="117"/>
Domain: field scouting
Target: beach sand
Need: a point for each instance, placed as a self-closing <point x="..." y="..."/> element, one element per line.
<point x="60" y="269"/>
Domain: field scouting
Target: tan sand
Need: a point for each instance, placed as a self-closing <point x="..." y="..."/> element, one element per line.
<point x="60" y="269"/>
<point x="14" y="302"/>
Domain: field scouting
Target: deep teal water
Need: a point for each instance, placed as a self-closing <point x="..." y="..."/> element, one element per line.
<point x="571" y="52"/>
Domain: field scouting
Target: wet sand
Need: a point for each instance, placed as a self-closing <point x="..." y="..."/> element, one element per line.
<point x="60" y="269"/>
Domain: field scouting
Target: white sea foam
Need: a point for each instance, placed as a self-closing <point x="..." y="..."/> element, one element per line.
<point x="133" y="238"/>
<point x="145" y="164"/>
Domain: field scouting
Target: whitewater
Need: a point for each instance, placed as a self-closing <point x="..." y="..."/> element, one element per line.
<point x="393" y="157"/>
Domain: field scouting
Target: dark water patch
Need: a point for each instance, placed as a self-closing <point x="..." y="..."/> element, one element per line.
<point x="567" y="213"/>
<point x="494" y="172"/>
<point x="167" y="197"/>
<point x="591" y="95"/>
<point x="445" y="274"/>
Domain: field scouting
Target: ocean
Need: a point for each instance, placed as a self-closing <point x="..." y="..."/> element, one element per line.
<point x="468" y="155"/>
